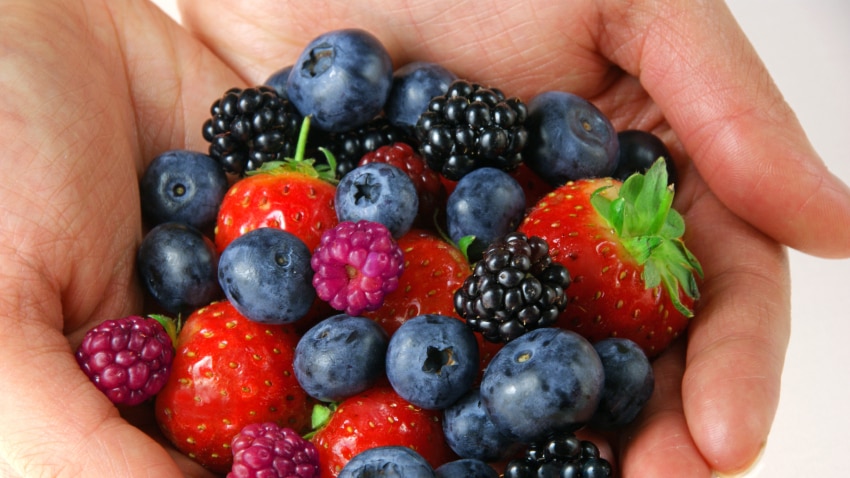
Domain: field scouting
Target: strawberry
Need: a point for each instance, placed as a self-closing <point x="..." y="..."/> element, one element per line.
<point x="229" y="372"/>
<point x="292" y="195"/>
<point x="378" y="417"/>
<point x="622" y="243"/>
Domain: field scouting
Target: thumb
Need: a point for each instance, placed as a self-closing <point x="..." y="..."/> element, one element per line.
<point x="744" y="139"/>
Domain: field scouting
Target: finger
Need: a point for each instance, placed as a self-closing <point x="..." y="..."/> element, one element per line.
<point x="660" y="443"/>
<point x="737" y="341"/>
<point x="746" y="142"/>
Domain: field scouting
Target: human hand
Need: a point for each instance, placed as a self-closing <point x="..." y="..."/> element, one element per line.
<point x="91" y="91"/>
<point x="751" y="182"/>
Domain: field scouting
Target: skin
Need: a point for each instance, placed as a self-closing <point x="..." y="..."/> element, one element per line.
<point x="95" y="89"/>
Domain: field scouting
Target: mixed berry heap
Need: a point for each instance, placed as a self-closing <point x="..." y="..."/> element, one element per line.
<point x="562" y="456"/>
<point x="250" y="127"/>
<point x="514" y="288"/>
<point x="472" y="127"/>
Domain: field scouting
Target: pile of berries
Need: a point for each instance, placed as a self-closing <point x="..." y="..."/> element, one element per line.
<point x="407" y="272"/>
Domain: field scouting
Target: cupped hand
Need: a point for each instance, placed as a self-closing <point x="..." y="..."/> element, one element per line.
<point x="91" y="90"/>
<point x="750" y="185"/>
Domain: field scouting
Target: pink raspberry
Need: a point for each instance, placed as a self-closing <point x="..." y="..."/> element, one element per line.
<point x="356" y="265"/>
<point x="268" y="450"/>
<point x="128" y="359"/>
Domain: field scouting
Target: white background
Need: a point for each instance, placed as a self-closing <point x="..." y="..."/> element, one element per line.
<point x="806" y="46"/>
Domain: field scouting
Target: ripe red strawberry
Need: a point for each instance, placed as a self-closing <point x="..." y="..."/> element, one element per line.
<point x="433" y="270"/>
<point x="632" y="275"/>
<point x="379" y="417"/>
<point x="229" y="372"/>
<point x="291" y="195"/>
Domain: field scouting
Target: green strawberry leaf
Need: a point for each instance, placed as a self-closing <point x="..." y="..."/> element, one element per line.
<point x="650" y="229"/>
<point x="299" y="164"/>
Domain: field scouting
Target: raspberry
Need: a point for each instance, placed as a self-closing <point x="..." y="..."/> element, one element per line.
<point x="128" y="359"/>
<point x="429" y="187"/>
<point x="515" y="287"/>
<point x="356" y="265"/>
<point x="471" y="127"/>
<point x="251" y="127"/>
<point x="268" y="450"/>
<point x="563" y="455"/>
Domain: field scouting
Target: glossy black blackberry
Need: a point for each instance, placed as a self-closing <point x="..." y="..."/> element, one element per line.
<point x="348" y="147"/>
<point x="250" y="127"/>
<point x="472" y="127"/>
<point x="514" y="288"/>
<point x="562" y="456"/>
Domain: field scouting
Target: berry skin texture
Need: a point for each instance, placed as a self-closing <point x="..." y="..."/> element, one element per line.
<point x="340" y="356"/>
<point x="266" y="275"/>
<point x="544" y="382"/>
<point x="466" y="467"/>
<point x="283" y="198"/>
<point x="432" y="360"/>
<point x="182" y="186"/>
<point x="375" y="418"/>
<point x="629" y="382"/>
<point x="356" y="265"/>
<point x="391" y="461"/>
<point x="568" y="139"/>
<point x="378" y="192"/>
<point x="269" y="450"/>
<point x="638" y="151"/>
<point x="620" y="285"/>
<point x="128" y="359"/>
<point x="229" y="372"/>
<point x="414" y="84"/>
<point x="342" y="79"/>
<point x="472" y="434"/>
<point x="177" y="266"/>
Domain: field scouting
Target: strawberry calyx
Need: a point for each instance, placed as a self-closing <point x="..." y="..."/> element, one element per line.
<point x="171" y="326"/>
<point x="321" y="415"/>
<point x="651" y="231"/>
<point x="299" y="164"/>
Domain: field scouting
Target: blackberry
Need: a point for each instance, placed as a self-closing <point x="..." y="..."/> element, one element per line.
<point x="250" y="127"/>
<point x="348" y="147"/>
<point x="514" y="288"/>
<point x="472" y="127"/>
<point x="562" y="456"/>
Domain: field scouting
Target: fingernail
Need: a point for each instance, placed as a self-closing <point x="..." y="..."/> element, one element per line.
<point x="753" y="471"/>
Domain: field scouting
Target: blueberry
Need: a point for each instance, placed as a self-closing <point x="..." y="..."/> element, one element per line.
<point x="342" y="78"/>
<point x="432" y="360"/>
<point x="177" y="266"/>
<point x="387" y="462"/>
<point x="486" y="203"/>
<point x="182" y="186"/>
<point x="278" y="79"/>
<point x="378" y="192"/>
<point x="568" y="139"/>
<point x="471" y="433"/>
<point x="629" y="382"/>
<point x="638" y="151"/>
<point x="414" y="84"/>
<point x="266" y="274"/>
<point x="544" y="382"/>
<point x="467" y="468"/>
<point x="340" y="356"/>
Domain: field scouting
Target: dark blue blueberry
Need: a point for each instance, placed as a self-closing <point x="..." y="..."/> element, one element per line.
<point x="466" y="468"/>
<point x="387" y="462"/>
<point x="638" y="151"/>
<point x="340" y="356"/>
<point x="342" y="78"/>
<point x="278" y="79"/>
<point x="177" y="265"/>
<point x="568" y="139"/>
<point x="182" y="186"/>
<point x="378" y="192"/>
<point x="414" y="84"/>
<point x="545" y="382"/>
<point x="470" y="432"/>
<point x="432" y="360"/>
<point x="266" y="274"/>
<point x="629" y="382"/>
<point x="486" y="203"/>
